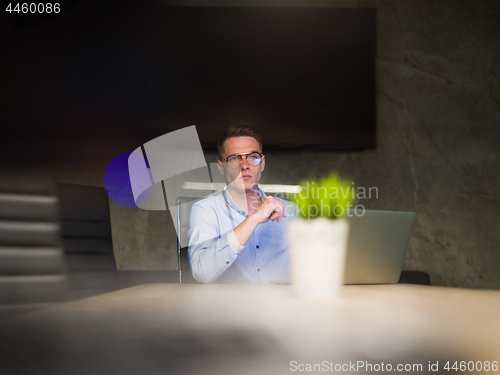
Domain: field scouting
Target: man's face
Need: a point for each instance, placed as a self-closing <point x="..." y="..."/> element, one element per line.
<point x="245" y="176"/>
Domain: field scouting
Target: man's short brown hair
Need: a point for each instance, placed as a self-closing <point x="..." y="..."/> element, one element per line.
<point x="237" y="131"/>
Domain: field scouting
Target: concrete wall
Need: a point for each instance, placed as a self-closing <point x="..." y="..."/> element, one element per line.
<point x="438" y="134"/>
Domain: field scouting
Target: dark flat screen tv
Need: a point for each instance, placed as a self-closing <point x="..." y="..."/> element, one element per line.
<point x="304" y="77"/>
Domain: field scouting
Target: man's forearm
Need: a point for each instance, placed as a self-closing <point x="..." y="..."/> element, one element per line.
<point x="244" y="231"/>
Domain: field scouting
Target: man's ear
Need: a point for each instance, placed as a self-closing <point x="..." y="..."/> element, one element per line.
<point x="220" y="167"/>
<point x="262" y="163"/>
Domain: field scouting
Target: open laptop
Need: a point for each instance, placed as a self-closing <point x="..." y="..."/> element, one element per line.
<point x="377" y="245"/>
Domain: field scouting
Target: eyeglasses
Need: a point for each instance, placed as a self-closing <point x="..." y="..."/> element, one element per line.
<point x="253" y="158"/>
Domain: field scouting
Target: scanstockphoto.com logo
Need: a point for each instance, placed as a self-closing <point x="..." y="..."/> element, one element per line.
<point x="359" y="366"/>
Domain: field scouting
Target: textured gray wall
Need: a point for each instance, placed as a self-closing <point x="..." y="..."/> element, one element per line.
<point x="438" y="134"/>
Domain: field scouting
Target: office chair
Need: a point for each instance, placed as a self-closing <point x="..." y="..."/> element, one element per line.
<point x="184" y="205"/>
<point x="86" y="228"/>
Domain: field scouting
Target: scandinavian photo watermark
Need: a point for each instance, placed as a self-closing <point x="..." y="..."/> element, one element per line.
<point x="347" y="200"/>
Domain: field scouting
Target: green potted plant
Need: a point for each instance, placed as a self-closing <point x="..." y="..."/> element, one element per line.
<point x="318" y="237"/>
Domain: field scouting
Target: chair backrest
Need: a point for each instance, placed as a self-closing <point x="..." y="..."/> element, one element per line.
<point x="184" y="205"/>
<point x="86" y="228"/>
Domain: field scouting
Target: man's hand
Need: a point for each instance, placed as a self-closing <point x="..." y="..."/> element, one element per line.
<point x="270" y="209"/>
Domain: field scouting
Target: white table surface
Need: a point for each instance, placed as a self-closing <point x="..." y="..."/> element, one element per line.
<point x="261" y="329"/>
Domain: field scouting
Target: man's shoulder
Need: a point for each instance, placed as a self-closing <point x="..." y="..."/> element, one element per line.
<point x="284" y="200"/>
<point x="210" y="201"/>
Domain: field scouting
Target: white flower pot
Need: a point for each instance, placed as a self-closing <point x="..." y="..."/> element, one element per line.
<point x="317" y="256"/>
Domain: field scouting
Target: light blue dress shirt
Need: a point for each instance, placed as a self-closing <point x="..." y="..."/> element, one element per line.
<point x="263" y="259"/>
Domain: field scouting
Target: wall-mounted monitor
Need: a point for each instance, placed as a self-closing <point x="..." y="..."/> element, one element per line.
<point x="305" y="77"/>
<point x="119" y="77"/>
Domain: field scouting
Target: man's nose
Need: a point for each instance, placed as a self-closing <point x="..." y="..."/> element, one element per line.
<point x="244" y="164"/>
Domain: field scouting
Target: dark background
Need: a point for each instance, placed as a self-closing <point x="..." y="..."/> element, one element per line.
<point x="122" y="73"/>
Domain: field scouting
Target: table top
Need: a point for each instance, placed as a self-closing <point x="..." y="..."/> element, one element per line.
<point x="256" y="329"/>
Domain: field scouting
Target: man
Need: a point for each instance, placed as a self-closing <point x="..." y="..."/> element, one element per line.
<point x="239" y="236"/>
